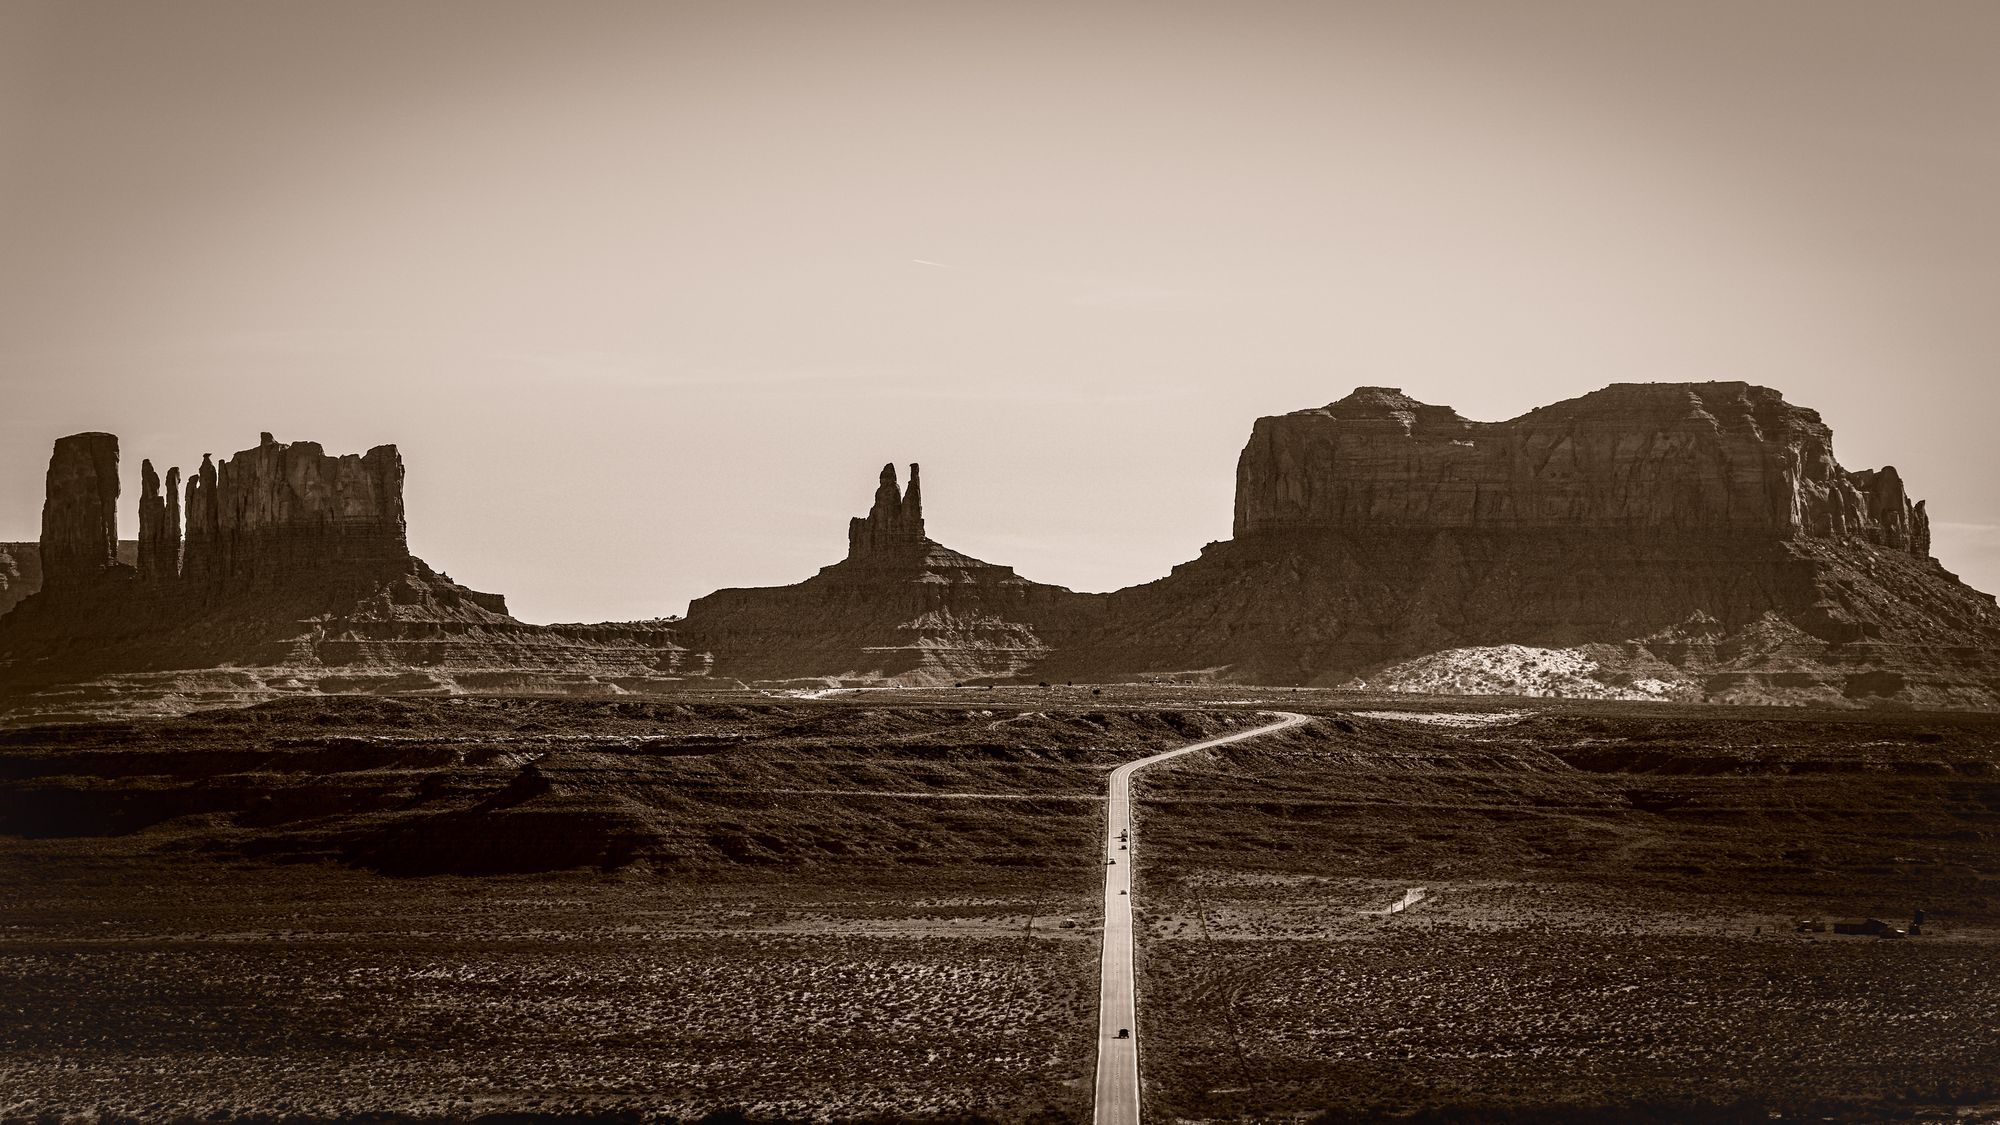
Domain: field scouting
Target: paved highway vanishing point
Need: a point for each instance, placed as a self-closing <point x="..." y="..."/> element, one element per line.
<point x="1118" y="1059"/>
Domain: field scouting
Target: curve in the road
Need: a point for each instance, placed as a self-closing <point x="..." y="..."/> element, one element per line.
<point x="1118" y="1059"/>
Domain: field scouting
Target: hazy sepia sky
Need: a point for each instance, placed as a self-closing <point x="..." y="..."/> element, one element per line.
<point x="647" y="293"/>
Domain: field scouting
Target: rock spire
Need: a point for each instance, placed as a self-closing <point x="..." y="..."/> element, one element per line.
<point x="895" y="525"/>
<point x="159" y="526"/>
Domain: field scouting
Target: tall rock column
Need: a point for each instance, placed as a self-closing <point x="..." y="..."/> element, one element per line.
<point x="159" y="536"/>
<point x="895" y="525"/>
<point x="198" y="552"/>
<point x="173" y="504"/>
<point x="80" y="512"/>
<point x="913" y="505"/>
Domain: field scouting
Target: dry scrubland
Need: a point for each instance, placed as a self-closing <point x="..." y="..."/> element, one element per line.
<point x="881" y="906"/>
<point x="420" y="1002"/>
<point x="798" y="908"/>
<point x="1592" y="947"/>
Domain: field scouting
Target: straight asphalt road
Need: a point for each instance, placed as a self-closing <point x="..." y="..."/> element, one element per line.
<point x="1118" y="1059"/>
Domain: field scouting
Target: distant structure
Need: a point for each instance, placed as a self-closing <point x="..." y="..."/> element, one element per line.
<point x="1691" y="541"/>
<point x="900" y="608"/>
<point x="285" y="567"/>
<point x="1700" y="537"/>
<point x="270" y="516"/>
<point x="895" y="525"/>
<point x="80" y="514"/>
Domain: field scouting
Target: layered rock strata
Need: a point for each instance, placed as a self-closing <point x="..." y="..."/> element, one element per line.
<point x="1379" y="528"/>
<point x="1698" y="539"/>
<point x="1673" y="458"/>
<point x="293" y="573"/>
<point x="899" y="609"/>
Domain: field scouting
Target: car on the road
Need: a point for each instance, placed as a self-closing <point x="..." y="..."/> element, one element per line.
<point x="1124" y="1033"/>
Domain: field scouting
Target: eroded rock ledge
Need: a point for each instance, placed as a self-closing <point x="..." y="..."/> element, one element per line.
<point x="1696" y="534"/>
<point x="1697" y="539"/>
<point x="1704" y="458"/>
<point x="285" y="569"/>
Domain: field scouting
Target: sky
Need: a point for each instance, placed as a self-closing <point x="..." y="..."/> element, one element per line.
<point x="647" y="293"/>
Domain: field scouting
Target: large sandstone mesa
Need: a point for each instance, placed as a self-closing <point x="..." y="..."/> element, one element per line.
<point x="899" y="609"/>
<point x="287" y="569"/>
<point x="281" y="509"/>
<point x="280" y="517"/>
<point x="1675" y="458"/>
<point x="1700" y="534"/>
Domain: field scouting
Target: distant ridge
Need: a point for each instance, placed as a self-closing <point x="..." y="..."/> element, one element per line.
<point x="899" y="609"/>
<point x="1685" y="541"/>
<point x="1701" y="535"/>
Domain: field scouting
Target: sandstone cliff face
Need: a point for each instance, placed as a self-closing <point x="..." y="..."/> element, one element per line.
<point x="899" y="609"/>
<point x="1379" y="528"/>
<point x="273" y="516"/>
<point x="79" y="546"/>
<point x="282" y="510"/>
<point x="1698" y="458"/>
<point x="1699" y="535"/>
<point x="293" y="573"/>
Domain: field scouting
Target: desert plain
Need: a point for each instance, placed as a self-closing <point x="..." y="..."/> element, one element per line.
<point x="882" y="905"/>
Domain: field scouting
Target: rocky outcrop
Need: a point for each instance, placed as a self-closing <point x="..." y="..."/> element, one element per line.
<point x="20" y="572"/>
<point x="281" y="509"/>
<point x="293" y="574"/>
<point x="79" y="546"/>
<point x="159" y="526"/>
<point x="278" y="514"/>
<point x="899" y="609"/>
<point x="21" y="569"/>
<point x="1698" y="540"/>
<point x="894" y="527"/>
<point x="1378" y="529"/>
<point x="1667" y="458"/>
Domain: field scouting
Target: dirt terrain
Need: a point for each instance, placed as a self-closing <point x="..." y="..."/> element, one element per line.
<point x="1609" y="927"/>
<point x="881" y="905"/>
<point x="451" y="907"/>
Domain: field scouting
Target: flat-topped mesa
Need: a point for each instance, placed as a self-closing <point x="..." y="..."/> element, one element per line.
<point x="79" y="545"/>
<point x="894" y="527"/>
<point x="1725" y="458"/>
<point x="288" y="508"/>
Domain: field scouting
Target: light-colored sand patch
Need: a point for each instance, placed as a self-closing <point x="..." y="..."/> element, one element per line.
<point x="1466" y="719"/>
<point x="1561" y="673"/>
